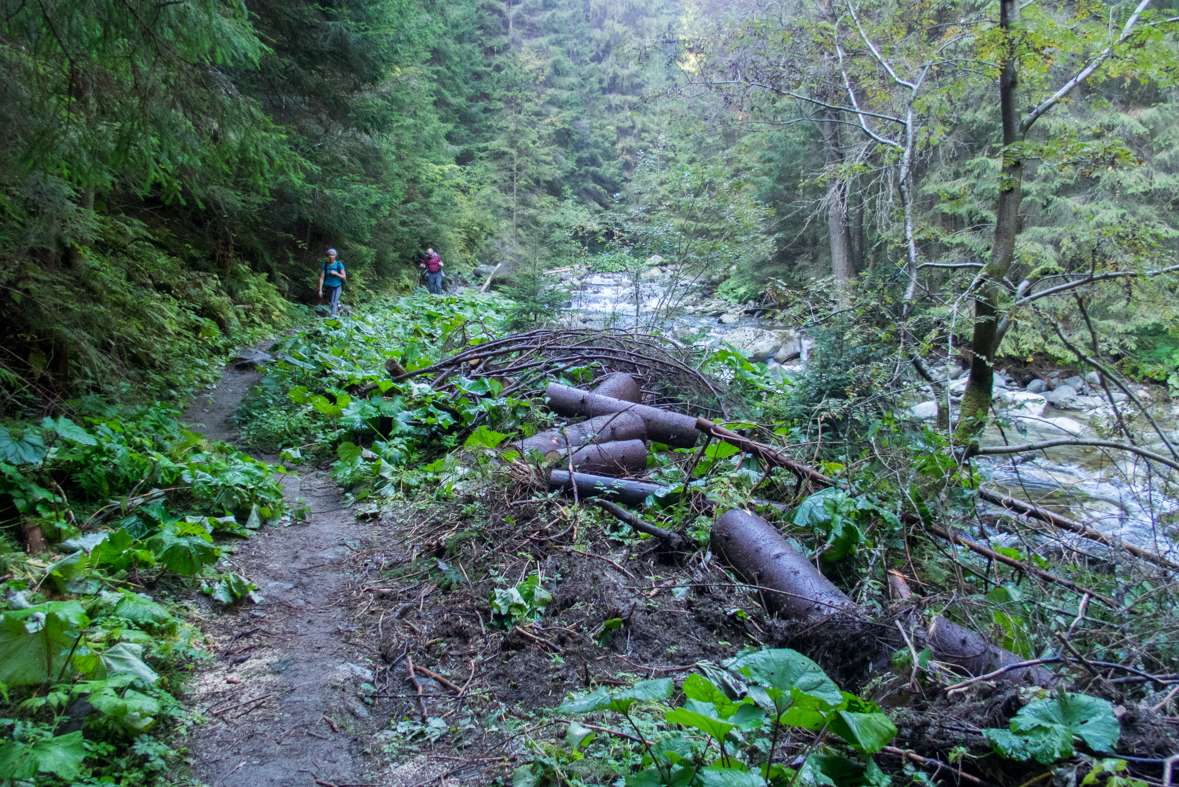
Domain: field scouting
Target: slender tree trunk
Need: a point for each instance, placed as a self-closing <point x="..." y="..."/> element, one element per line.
<point x="838" y="228"/>
<point x="976" y="401"/>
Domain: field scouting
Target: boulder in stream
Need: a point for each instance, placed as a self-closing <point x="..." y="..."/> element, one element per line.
<point x="926" y="410"/>
<point x="1023" y="403"/>
<point x="1037" y="386"/>
<point x="1062" y="397"/>
<point x="755" y="344"/>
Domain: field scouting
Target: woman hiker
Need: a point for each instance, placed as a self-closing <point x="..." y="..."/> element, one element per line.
<point x="433" y="265"/>
<point x="334" y="273"/>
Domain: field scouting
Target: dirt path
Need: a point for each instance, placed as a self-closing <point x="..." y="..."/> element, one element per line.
<point x="281" y="700"/>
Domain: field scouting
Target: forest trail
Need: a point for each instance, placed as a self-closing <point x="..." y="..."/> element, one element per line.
<point x="281" y="696"/>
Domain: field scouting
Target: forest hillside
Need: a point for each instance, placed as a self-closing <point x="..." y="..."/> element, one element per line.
<point x="795" y="403"/>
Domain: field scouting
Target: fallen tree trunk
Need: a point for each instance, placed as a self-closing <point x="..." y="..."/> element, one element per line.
<point x="792" y="588"/>
<point x="633" y="493"/>
<point x="670" y="538"/>
<point x="953" y="644"/>
<point x="620" y="385"/>
<point x="627" y="457"/>
<point x="758" y="553"/>
<point x="603" y="429"/>
<point x="674" y="429"/>
<point x="1064" y="523"/>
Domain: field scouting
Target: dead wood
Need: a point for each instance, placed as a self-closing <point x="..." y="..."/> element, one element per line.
<point x="763" y="452"/>
<point x="792" y="588"/>
<point x="620" y="385"/>
<point x="620" y="459"/>
<point x="674" y="429"/>
<point x="972" y="653"/>
<point x="1064" y="523"/>
<point x="603" y="429"/>
<point x="1019" y="564"/>
<point x="672" y="539"/>
<point x="762" y="557"/>
<point x="587" y="485"/>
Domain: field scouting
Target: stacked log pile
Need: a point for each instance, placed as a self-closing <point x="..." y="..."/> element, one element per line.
<point x="602" y="455"/>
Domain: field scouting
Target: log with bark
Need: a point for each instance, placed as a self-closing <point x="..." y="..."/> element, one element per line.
<point x="619" y="459"/>
<point x="792" y="588"/>
<point x="620" y="385"/>
<point x="674" y="429"/>
<point x="603" y="429"/>
<point x="632" y="493"/>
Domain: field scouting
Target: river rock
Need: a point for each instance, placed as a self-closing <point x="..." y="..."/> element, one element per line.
<point x="1077" y="382"/>
<point x="1064" y="424"/>
<point x="1062" y="396"/>
<point x="1037" y="386"/>
<point x="1093" y="378"/>
<point x="730" y="318"/>
<point x="1085" y="403"/>
<point x="249" y="358"/>
<point x="482" y="271"/>
<point x="652" y="273"/>
<point x="926" y="410"/>
<point x="958" y="387"/>
<point x="654" y="260"/>
<point x="1025" y="404"/>
<point x="755" y="344"/>
<point x="791" y="346"/>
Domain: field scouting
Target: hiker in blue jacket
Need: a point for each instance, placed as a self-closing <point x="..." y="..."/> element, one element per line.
<point x="332" y="276"/>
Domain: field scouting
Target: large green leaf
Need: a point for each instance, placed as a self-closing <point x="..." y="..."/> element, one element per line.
<point x="716" y="776"/>
<point x="134" y="710"/>
<point x="183" y="547"/>
<point x="484" y="438"/>
<point x="596" y="700"/>
<point x="69" y="431"/>
<point x="867" y="733"/>
<point x="1044" y="730"/>
<point x="36" y="641"/>
<point x="61" y="756"/>
<point x="786" y="670"/>
<point x="125" y="659"/>
<point x="25" y="450"/>
<point x="697" y="715"/>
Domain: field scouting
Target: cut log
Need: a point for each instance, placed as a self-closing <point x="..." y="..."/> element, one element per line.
<point x="624" y="458"/>
<point x="973" y="654"/>
<point x="620" y="385"/>
<point x="675" y="429"/>
<point x="603" y="429"/>
<point x="630" y="492"/>
<point x="790" y="586"/>
<point x="633" y="493"/>
<point x="794" y="589"/>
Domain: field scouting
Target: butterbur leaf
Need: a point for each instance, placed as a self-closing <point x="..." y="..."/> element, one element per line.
<point x="61" y="756"/>
<point x="35" y="641"/>
<point x="680" y="776"/>
<point x="867" y="733"/>
<point x="142" y="611"/>
<point x="1044" y="730"/>
<point x="125" y="659"/>
<point x="785" y="669"/>
<point x="134" y="710"/>
<point x="716" y="776"/>
<point x="348" y="452"/>
<point x="183" y="547"/>
<point x="69" y="430"/>
<point x="706" y="723"/>
<point x="699" y="688"/>
<point x="588" y="703"/>
<point x="23" y="450"/>
<point x="484" y="438"/>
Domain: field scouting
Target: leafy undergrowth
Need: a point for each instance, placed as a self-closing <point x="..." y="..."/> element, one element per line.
<point x="129" y="504"/>
<point x="527" y="598"/>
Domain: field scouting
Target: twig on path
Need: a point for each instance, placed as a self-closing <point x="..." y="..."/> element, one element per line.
<point x="600" y="557"/>
<point x="331" y="724"/>
<point x="939" y="765"/>
<point x="235" y="638"/>
<point x="417" y="686"/>
<point x="440" y="679"/>
<point x="539" y="640"/>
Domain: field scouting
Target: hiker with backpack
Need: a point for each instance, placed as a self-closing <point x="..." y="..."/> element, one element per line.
<point x="332" y="276"/>
<point x="432" y="264"/>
